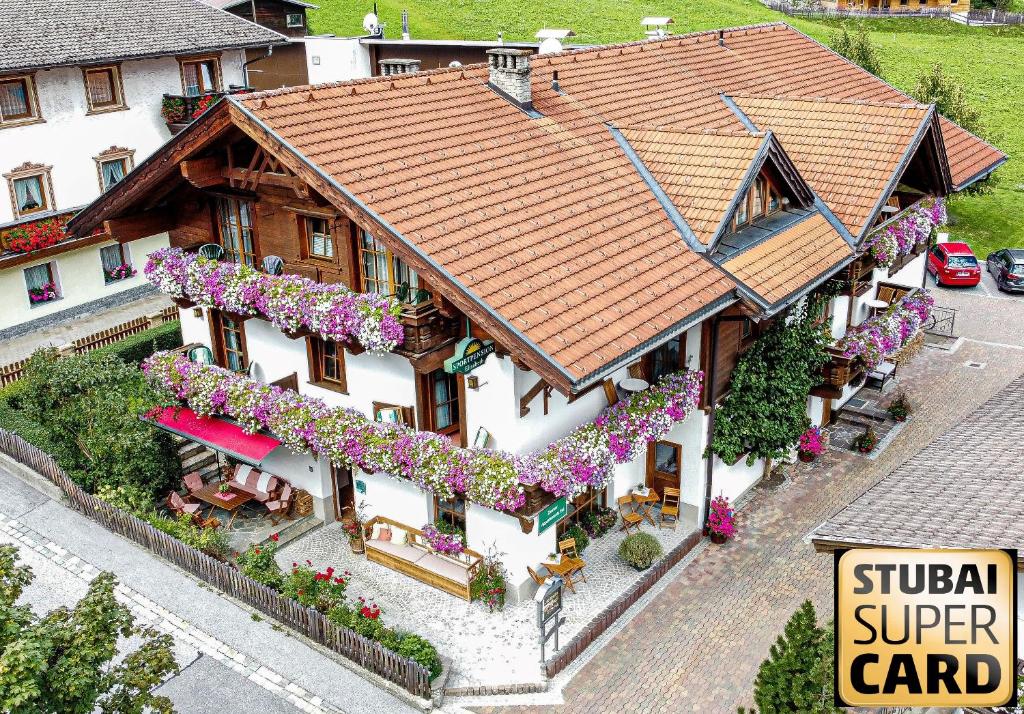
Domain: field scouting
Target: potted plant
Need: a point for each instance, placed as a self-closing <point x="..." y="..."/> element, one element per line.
<point x="354" y="529"/>
<point x="899" y="408"/>
<point x="866" y="442"/>
<point x="810" y="445"/>
<point x="173" y="110"/>
<point x="721" y="521"/>
<point x="224" y="487"/>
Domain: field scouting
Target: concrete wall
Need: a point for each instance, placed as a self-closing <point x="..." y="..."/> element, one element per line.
<point x="79" y="276"/>
<point x="336" y="59"/>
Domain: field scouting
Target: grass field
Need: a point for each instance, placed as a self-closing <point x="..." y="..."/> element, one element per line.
<point x="987" y="61"/>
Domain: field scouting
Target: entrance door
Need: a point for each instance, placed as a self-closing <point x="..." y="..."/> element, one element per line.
<point x="664" y="465"/>
<point x="344" y="492"/>
<point x="826" y="412"/>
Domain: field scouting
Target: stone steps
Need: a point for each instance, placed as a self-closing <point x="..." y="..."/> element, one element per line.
<point x="196" y="457"/>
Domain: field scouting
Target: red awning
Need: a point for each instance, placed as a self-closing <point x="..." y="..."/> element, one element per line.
<point x="218" y="434"/>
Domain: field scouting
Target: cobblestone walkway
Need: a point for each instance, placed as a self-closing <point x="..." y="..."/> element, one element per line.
<point x="698" y="644"/>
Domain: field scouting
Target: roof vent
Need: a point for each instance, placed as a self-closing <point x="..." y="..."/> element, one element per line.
<point x="405" y="25"/>
<point x="389" y="67"/>
<point x="721" y="38"/>
<point x="510" y="74"/>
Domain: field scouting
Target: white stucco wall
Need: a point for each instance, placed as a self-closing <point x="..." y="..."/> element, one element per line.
<point x="69" y="138"/>
<point x="486" y="528"/>
<point x="734" y="481"/>
<point x="336" y="59"/>
<point x="393" y="498"/>
<point x="911" y="273"/>
<point x="304" y="472"/>
<point x="79" y="276"/>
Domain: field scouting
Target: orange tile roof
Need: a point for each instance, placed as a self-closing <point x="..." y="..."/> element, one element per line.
<point x="701" y="172"/>
<point x="545" y="220"/>
<point x="789" y="260"/>
<point x="679" y="77"/>
<point x="847" y="150"/>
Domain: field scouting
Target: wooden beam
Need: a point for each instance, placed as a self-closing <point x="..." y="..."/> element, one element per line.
<point x="140" y="225"/>
<point x="202" y="173"/>
<point x="267" y="178"/>
<point x="536" y="389"/>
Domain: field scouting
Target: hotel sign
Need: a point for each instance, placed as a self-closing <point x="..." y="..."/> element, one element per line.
<point x="470" y="353"/>
<point x="925" y="628"/>
<point x="552" y="514"/>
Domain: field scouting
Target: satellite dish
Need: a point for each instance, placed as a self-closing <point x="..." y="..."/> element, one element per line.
<point x="549" y="46"/>
<point x="371" y="23"/>
<point x="454" y="63"/>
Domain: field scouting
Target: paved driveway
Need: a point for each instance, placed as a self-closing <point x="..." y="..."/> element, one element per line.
<point x="698" y="644"/>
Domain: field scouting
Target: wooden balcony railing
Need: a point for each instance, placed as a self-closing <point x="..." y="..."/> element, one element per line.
<point x="426" y="329"/>
<point x="836" y="374"/>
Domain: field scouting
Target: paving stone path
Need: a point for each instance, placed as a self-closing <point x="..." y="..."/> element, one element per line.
<point x="697" y="645"/>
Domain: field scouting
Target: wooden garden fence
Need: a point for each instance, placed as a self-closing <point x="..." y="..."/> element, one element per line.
<point x="12" y="372"/>
<point x="366" y="653"/>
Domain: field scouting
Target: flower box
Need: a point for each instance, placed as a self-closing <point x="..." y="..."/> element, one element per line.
<point x="183" y="303"/>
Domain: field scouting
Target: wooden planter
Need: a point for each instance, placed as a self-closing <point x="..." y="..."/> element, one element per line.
<point x="183" y="303"/>
<point x="534" y="498"/>
<point x="298" y="334"/>
<point x="358" y="545"/>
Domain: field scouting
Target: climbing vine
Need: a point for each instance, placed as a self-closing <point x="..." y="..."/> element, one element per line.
<point x="765" y="411"/>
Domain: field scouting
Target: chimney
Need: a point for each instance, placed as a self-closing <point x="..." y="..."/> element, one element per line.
<point x="405" y="25"/>
<point x="389" y="67"/>
<point x="510" y="74"/>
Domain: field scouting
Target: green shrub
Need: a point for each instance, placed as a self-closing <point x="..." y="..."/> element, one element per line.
<point x="580" y="535"/>
<point x="135" y="348"/>
<point x="322" y="590"/>
<point x="419" y="650"/>
<point x="640" y="550"/>
<point x="212" y="541"/>
<point x="259" y="564"/>
<point x="131" y="499"/>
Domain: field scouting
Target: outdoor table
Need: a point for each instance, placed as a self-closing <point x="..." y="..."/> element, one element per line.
<point x="645" y="504"/>
<point x="210" y="493"/>
<point x="564" y="570"/>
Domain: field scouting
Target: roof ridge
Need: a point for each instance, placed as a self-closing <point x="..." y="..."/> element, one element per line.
<point x="713" y="131"/>
<point x="830" y="100"/>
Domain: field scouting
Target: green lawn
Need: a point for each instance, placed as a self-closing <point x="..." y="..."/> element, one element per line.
<point x="987" y="61"/>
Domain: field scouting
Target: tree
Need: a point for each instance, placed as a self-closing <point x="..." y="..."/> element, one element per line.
<point x="61" y="662"/>
<point x="949" y="99"/>
<point x="765" y="411"/>
<point x="858" y="49"/>
<point x="90" y="407"/>
<point x="798" y="674"/>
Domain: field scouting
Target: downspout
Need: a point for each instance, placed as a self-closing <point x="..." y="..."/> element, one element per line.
<point x="245" y="65"/>
<point x="713" y="408"/>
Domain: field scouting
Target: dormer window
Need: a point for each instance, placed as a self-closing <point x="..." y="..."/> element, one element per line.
<point x="760" y="200"/>
<point x="757" y="194"/>
<point x="743" y="211"/>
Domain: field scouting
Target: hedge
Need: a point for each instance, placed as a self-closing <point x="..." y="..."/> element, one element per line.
<point x="135" y="348"/>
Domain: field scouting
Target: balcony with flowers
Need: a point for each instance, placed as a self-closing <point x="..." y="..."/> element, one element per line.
<point x="40" y="236"/>
<point x="878" y="339"/>
<point x="179" y="110"/>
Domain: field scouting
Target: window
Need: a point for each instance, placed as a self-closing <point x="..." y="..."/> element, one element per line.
<point x="230" y="338"/>
<point x="30" y="189"/>
<point x="41" y="284"/>
<point x="318" y="233"/>
<point x="327" y="364"/>
<point x="293" y="19"/>
<point x="116" y="265"/>
<point x="742" y="213"/>
<point x="666" y="458"/>
<point x="757" y="194"/>
<point x="451" y="513"/>
<point x="590" y="501"/>
<point x="746" y="329"/>
<point x="234" y="220"/>
<point x="17" y="100"/>
<point x="386" y="274"/>
<point x="200" y="76"/>
<point x="665" y="360"/>
<point x="112" y="165"/>
<point x="774" y="200"/>
<point x="103" y="89"/>
<point x="444" y="402"/>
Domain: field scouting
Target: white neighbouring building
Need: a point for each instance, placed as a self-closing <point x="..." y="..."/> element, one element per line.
<point x="598" y="238"/>
<point x="82" y="87"/>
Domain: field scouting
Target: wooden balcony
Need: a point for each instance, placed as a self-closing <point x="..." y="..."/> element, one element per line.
<point x="426" y="329"/>
<point x="836" y="374"/>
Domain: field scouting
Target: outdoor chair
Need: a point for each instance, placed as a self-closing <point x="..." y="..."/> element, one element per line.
<point x="211" y="251"/>
<point x="193" y="481"/>
<point x="278" y="509"/>
<point x="201" y="355"/>
<point x="567" y="548"/>
<point x="537" y="577"/>
<point x="669" y="507"/>
<point x="273" y="265"/>
<point x="630" y="518"/>
<point x="177" y="505"/>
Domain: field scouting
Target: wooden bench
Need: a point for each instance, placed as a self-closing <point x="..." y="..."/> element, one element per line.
<point x="453" y="574"/>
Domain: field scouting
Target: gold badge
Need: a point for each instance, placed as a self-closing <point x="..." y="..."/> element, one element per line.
<point x="925" y="627"/>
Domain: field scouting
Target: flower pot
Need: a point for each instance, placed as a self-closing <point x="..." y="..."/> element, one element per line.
<point x="718" y="538"/>
<point x="901" y="418"/>
<point x="357" y="545"/>
<point x="806" y="456"/>
<point x="865" y="449"/>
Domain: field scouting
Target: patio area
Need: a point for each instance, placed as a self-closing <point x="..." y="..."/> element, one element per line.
<point x="485" y="649"/>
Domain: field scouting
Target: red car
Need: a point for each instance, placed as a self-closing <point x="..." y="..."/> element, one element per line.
<point x="954" y="264"/>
